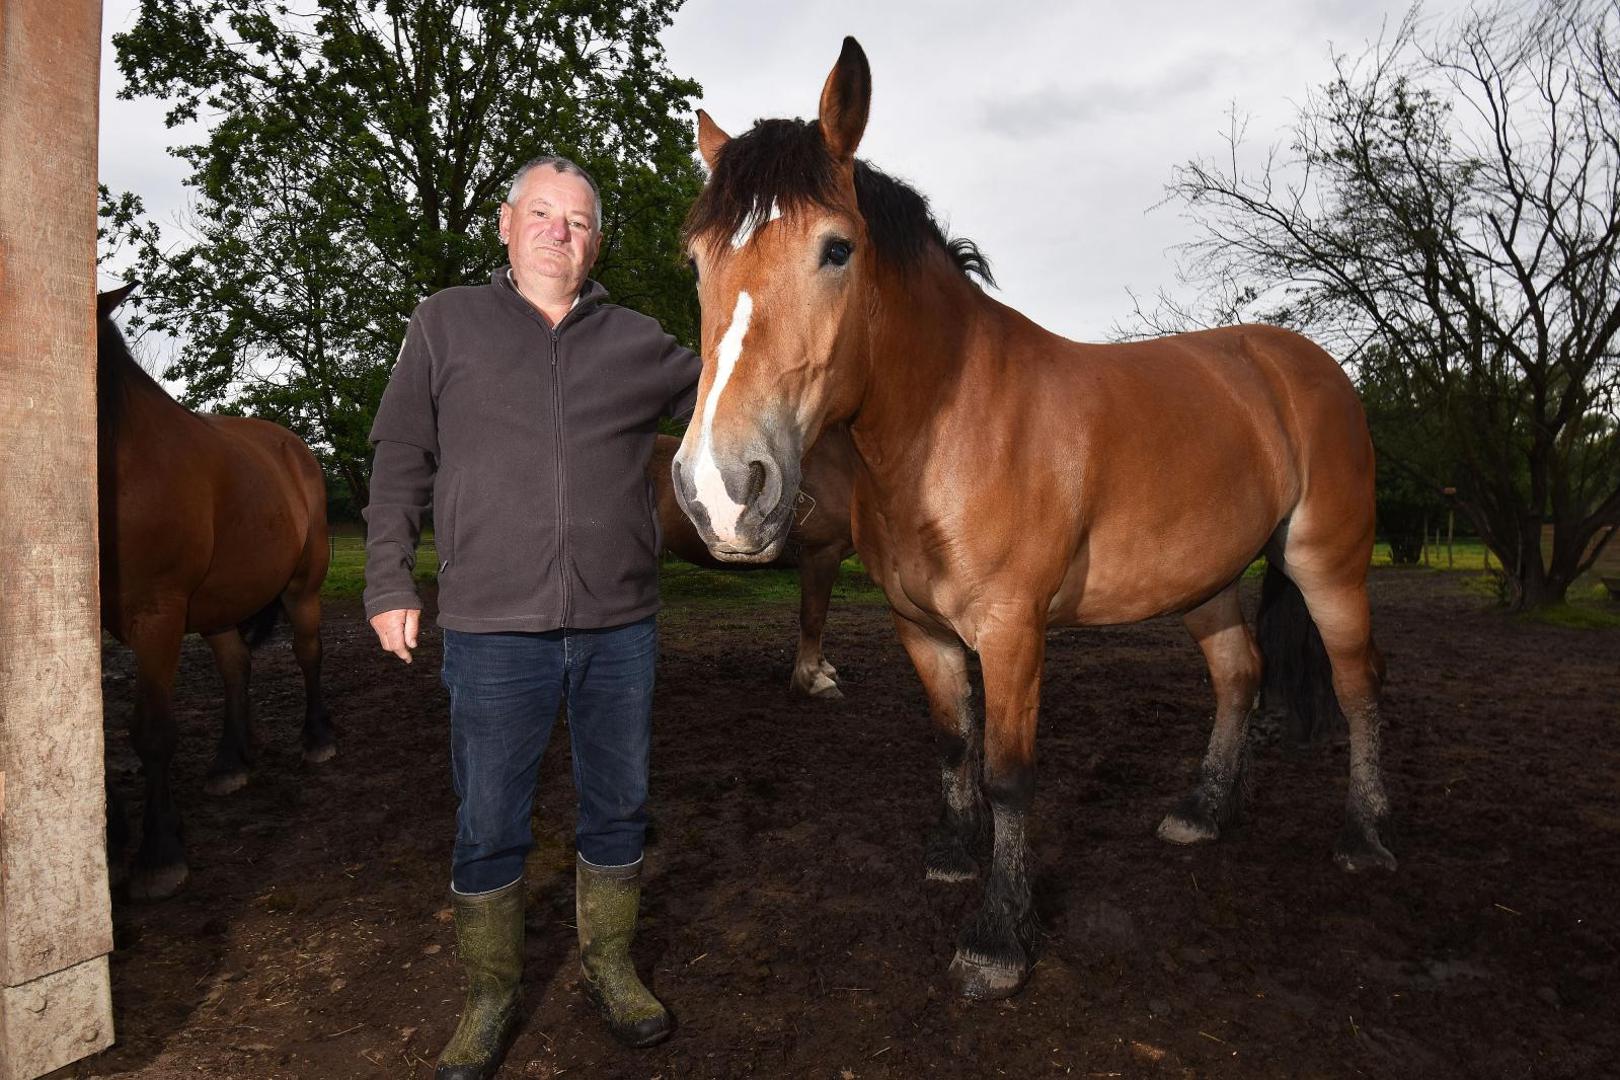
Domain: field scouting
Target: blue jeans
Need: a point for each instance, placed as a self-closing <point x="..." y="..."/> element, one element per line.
<point x="504" y="693"/>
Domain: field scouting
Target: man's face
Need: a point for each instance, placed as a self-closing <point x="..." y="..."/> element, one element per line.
<point x="550" y="228"/>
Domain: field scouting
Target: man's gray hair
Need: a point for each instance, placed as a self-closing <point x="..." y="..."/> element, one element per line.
<point x="562" y="165"/>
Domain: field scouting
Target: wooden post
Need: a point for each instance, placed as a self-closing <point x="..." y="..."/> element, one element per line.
<point x="55" y="919"/>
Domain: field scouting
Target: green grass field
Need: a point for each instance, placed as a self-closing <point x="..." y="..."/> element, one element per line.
<point x="687" y="586"/>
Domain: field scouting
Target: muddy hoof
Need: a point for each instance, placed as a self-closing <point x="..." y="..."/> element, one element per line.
<point x="982" y="978"/>
<point x="317" y="754"/>
<point x="225" y="782"/>
<point x="1189" y="823"/>
<point x="146" y="885"/>
<point x="1359" y="848"/>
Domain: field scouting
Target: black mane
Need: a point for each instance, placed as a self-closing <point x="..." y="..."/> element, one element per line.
<point x="786" y="162"/>
<point x="117" y="371"/>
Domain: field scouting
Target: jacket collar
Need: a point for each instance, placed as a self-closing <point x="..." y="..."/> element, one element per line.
<point x="591" y="295"/>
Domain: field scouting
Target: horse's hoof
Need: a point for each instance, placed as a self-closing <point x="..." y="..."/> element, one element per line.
<point x="827" y="670"/>
<point x="818" y="687"/>
<point x="951" y="873"/>
<point x="146" y="885"/>
<point x="317" y="754"/>
<point x="226" y="782"/>
<point x="1183" y="827"/>
<point x="949" y="861"/>
<point x="1360" y="849"/>
<point x="825" y="689"/>
<point x="981" y="978"/>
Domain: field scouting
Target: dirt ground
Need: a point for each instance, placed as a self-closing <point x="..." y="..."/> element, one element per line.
<point x="787" y="921"/>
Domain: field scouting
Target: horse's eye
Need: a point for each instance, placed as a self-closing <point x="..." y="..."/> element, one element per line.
<point x="691" y="264"/>
<point x="836" y="253"/>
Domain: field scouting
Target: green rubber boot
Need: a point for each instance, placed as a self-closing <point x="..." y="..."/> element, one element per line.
<point x="606" y="899"/>
<point x="489" y="935"/>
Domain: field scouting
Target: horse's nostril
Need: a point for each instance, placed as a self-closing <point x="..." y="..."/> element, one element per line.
<point x="756" y="483"/>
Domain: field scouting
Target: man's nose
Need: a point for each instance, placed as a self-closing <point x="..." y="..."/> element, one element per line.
<point x="557" y="229"/>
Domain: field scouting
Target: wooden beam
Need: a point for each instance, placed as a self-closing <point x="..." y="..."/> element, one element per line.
<point x="55" y="920"/>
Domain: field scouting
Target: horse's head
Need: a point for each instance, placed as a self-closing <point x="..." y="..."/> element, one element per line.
<point x="781" y="250"/>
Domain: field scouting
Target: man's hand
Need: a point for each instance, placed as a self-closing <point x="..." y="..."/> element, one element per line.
<point x="396" y="631"/>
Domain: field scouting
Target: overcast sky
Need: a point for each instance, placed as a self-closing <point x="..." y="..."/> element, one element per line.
<point x="1045" y="131"/>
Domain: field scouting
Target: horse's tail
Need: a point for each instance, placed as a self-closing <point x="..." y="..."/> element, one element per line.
<point x="1297" y="679"/>
<point x="257" y="628"/>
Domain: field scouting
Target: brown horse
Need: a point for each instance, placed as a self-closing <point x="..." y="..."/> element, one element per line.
<point x="1009" y="480"/>
<point x="817" y="543"/>
<point x="207" y="523"/>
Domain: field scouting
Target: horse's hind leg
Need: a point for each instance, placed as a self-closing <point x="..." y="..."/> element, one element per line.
<point x="1234" y="670"/>
<point x="160" y="864"/>
<point x="304" y="612"/>
<point x="812" y="675"/>
<point x="1341" y="615"/>
<point x="942" y="664"/>
<point x="235" y="754"/>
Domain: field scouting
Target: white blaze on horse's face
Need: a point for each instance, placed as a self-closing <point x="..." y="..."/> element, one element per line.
<point x="725" y="513"/>
<point x="776" y="296"/>
<point x="753" y="225"/>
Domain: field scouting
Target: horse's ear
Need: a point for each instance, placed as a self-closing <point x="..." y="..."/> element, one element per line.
<point x="844" y="102"/>
<point x="711" y="140"/>
<point x="107" y="302"/>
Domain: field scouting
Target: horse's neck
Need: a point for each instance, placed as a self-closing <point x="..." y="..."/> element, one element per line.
<point x="127" y="395"/>
<point x="926" y="337"/>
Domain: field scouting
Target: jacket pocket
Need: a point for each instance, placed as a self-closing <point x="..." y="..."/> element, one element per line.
<point x="652" y="516"/>
<point x="444" y="521"/>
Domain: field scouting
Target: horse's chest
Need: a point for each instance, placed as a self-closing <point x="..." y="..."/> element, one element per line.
<point x="911" y="564"/>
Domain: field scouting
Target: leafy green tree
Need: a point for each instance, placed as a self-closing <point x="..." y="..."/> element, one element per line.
<point x="1449" y="220"/>
<point x="357" y="153"/>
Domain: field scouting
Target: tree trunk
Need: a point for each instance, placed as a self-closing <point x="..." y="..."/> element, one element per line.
<point x="354" y="472"/>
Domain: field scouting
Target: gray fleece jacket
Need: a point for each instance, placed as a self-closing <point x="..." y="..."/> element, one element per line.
<point x="531" y="445"/>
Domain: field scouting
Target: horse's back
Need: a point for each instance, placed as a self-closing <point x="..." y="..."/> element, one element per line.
<point x="1152" y="472"/>
<point x="215" y="518"/>
<point x="1228" y="435"/>
<point x="270" y="500"/>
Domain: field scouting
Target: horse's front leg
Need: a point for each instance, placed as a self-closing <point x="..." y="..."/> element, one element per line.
<point x="993" y="952"/>
<point x="160" y="863"/>
<point x="812" y="675"/>
<point x="941" y="662"/>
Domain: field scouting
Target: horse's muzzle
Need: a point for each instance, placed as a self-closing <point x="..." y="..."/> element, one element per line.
<point x="744" y="513"/>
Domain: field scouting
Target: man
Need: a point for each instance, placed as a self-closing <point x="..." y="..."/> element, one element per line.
<point x="527" y="409"/>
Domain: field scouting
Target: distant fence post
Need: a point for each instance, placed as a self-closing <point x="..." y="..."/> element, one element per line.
<point x="55" y="917"/>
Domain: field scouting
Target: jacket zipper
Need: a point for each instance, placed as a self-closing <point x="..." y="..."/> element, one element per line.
<point x="562" y="503"/>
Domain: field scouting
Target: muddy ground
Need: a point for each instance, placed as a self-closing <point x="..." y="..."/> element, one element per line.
<point x="787" y="921"/>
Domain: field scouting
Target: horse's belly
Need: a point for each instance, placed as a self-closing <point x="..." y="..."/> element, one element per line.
<point x="1129" y="583"/>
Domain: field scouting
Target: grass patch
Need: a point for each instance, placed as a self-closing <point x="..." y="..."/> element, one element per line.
<point x="346" y="573"/>
<point x="680" y="583"/>
<point x="683" y="584"/>
<point x="1576" y="616"/>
